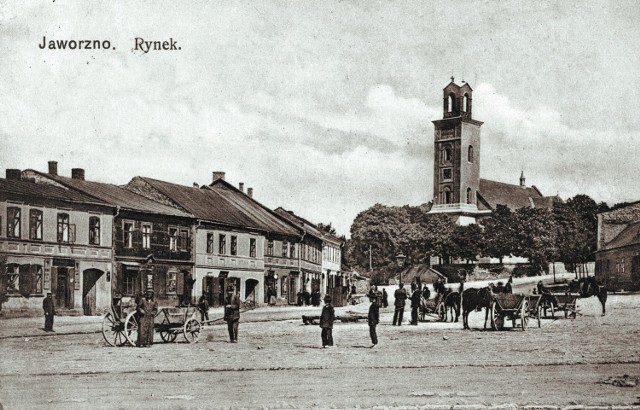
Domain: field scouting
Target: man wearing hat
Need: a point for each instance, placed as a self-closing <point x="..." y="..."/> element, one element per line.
<point x="326" y="322"/>
<point x="373" y="319"/>
<point x="401" y="296"/>
<point x="49" y="312"/>
<point x="232" y="314"/>
<point x="147" y="309"/>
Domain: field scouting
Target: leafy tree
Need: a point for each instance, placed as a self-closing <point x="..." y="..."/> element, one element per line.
<point x="438" y="230"/>
<point x="328" y="228"/>
<point x="499" y="233"/>
<point x="536" y="236"/>
<point x="467" y="242"/>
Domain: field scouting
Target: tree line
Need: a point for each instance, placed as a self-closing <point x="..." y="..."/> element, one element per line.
<point x="565" y="233"/>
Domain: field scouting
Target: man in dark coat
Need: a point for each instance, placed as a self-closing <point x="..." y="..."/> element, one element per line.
<point x="373" y="319"/>
<point x="327" y="317"/>
<point x="400" y="296"/>
<point x="232" y="314"/>
<point x="385" y="298"/>
<point x="415" y="305"/>
<point x="147" y="309"/>
<point x="49" y="312"/>
<point x="188" y="288"/>
<point x="203" y="307"/>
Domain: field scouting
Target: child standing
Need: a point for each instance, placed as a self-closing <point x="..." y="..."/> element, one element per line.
<point x="326" y="322"/>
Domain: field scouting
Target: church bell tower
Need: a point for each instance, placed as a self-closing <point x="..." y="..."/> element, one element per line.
<point x="456" y="156"/>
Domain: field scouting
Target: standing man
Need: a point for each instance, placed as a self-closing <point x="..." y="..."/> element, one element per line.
<point x="49" y="313"/>
<point x="373" y="319"/>
<point x="203" y="307"/>
<point x="326" y="322"/>
<point x="401" y="296"/>
<point x="147" y="309"/>
<point x="385" y="298"/>
<point x="232" y="314"/>
<point x="188" y="288"/>
<point x="415" y="304"/>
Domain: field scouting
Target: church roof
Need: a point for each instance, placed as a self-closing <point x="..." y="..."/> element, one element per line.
<point x="629" y="236"/>
<point x="494" y="193"/>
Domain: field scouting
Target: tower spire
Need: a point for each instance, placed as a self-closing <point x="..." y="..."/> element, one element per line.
<point x="522" y="179"/>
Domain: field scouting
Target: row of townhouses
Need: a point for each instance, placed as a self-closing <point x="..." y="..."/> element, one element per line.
<point x="90" y="243"/>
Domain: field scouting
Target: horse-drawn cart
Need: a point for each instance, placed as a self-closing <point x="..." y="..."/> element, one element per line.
<point x="120" y="328"/>
<point x="556" y="302"/>
<point x="429" y="307"/>
<point x="514" y="307"/>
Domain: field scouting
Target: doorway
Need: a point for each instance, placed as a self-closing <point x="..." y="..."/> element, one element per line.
<point x="293" y="289"/>
<point x="250" y="287"/>
<point x="63" y="288"/>
<point x="89" y="279"/>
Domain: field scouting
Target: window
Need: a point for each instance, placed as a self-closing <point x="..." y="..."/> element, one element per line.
<point x="173" y="239"/>
<point x="447" y="154"/>
<point x="35" y="225"/>
<point x="465" y="102"/>
<point x="292" y="250"/>
<point x="184" y="240"/>
<point x="622" y="266"/>
<point x="63" y="228"/>
<point x="94" y="230"/>
<point x="469" y="196"/>
<point x="447" y="195"/>
<point x="209" y="243"/>
<point x="451" y="102"/>
<point x="285" y="249"/>
<point x="222" y="245"/>
<point x="303" y="251"/>
<point x="127" y="234"/>
<point x="234" y="245"/>
<point x="446" y="174"/>
<point x="470" y="154"/>
<point x="270" y="247"/>
<point x="12" y="277"/>
<point x="129" y="282"/>
<point x="252" y="247"/>
<point x="172" y="282"/>
<point x="13" y="222"/>
<point x="146" y="236"/>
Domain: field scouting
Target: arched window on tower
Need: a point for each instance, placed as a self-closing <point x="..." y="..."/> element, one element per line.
<point x="447" y="195"/>
<point x="469" y="196"/>
<point x="465" y="102"/>
<point x="451" y="100"/>
<point x="447" y="154"/>
<point x="470" y="154"/>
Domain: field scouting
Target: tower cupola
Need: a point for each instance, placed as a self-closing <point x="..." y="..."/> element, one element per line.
<point x="457" y="100"/>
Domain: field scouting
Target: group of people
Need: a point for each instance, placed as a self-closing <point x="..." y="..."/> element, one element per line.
<point x="306" y="298"/>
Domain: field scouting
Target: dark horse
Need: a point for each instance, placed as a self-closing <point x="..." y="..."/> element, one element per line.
<point x="451" y="302"/>
<point x="588" y="287"/>
<point x="476" y="299"/>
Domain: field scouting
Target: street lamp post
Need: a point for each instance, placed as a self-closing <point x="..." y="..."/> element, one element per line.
<point x="400" y="258"/>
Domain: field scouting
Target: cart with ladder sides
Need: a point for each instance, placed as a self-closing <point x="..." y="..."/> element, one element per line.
<point x="120" y="328"/>
<point x="517" y="308"/>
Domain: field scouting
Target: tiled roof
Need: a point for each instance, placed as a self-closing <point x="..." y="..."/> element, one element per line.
<point x="629" y="236"/>
<point x="117" y="196"/>
<point x="260" y="214"/>
<point x="495" y="193"/>
<point x="299" y="221"/>
<point x="46" y="191"/>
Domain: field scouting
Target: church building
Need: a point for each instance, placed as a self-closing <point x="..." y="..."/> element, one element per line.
<point x="458" y="189"/>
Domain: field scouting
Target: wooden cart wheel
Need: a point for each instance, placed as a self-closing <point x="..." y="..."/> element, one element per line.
<point x="192" y="330"/>
<point x="497" y="320"/>
<point x="113" y="331"/>
<point x="131" y="329"/>
<point x="524" y="315"/>
<point x="168" y="336"/>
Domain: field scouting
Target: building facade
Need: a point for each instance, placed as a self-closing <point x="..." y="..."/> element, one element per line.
<point x="53" y="240"/>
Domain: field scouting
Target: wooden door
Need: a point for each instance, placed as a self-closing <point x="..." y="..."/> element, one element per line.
<point x="293" y="289"/>
<point x="89" y="280"/>
<point x="61" y="288"/>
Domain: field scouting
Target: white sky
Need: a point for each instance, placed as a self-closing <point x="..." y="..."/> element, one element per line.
<point x="324" y="108"/>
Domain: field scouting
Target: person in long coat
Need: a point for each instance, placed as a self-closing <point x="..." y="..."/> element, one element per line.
<point x="203" y="307"/>
<point x="385" y="298"/>
<point x="373" y="319"/>
<point x="327" y="317"/>
<point x="232" y="314"/>
<point x="400" y="296"/>
<point x="49" y="312"/>
<point x="147" y="309"/>
<point x="415" y="304"/>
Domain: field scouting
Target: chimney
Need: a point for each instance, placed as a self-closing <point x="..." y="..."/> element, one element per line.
<point x="241" y="186"/>
<point x="250" y="192"/>
<point x="77" y="173"/>
<point x="53" y="167"/>
<point x="14" y="174"/>
<point x="195" y="185"/>
<point x="218" y="175"/>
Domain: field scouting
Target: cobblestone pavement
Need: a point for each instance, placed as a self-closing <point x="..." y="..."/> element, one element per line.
<point x="588" y="361"/>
